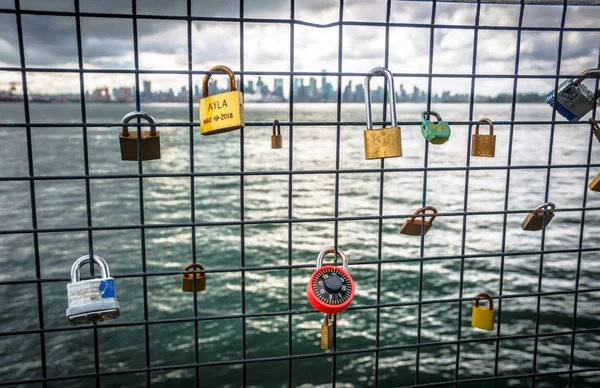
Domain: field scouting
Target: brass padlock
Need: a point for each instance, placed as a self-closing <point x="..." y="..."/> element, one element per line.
<point x="483" y="317"/>
<point x="222" y="112"/>
<point x="596" y="128"/>
<point x="484" y="145"/>
<point x="385" y="142"/>
<point x="129" y="140"/>
<point x="535" y="219"/>
<point x="595" y="183"/>
<point x="412" y="226"/>
<point x="276" y="138"/>
<point x="198" y="276"/>
<point x="326" y="331"/>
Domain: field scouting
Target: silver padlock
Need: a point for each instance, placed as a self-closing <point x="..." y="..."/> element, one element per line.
<point x="92" y="300"/>
<point x="574" y="100"/>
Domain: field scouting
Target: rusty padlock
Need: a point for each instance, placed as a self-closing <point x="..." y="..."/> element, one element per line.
<point x="276" y="138"/>
<point x="198" y="275"/>
<point x="484" y="145"/>
<point x="535" y="219"/>
<point x="412" y="226"/>
<point x="150" y="139"/>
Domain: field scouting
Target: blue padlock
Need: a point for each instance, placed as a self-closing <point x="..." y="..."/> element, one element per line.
<point x="435" y="132"/>
<point x="574" y="100"/>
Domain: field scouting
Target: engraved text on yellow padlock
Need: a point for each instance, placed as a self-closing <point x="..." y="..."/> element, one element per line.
<point x="222" y="112"/>
<point x="484" y="145"/>
<point x="385" y="142"/>
<point x="483" y="317"/>
<point x="198" y="275"/>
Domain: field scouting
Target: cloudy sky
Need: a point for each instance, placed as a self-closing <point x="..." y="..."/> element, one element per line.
<point x="50" y="41"/>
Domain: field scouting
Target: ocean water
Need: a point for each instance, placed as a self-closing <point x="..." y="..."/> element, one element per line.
<point x="218" y="193"/>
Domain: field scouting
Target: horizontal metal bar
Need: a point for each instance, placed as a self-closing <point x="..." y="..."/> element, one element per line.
<point x="328" y="354"/>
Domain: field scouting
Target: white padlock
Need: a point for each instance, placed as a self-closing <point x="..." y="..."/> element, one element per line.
<point x="92" y="300"/>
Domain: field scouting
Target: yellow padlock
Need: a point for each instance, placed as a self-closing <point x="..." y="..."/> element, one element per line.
<point x="596" y="128"/>
<point x="222" y="112"/>
<point x="198" y="276"/>
<point x="595" y="183"/>
<point x="483" y="317"/>
<point x="484" y="145"/>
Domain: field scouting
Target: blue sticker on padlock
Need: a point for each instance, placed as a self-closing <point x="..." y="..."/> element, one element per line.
<point x="107" y="288"/>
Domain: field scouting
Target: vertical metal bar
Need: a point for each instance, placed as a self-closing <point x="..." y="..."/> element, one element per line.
<point x="136" y="61"/>
<point x="381" y="193"/>
<point x="424" y="193"/>
<point x="290" y="186"/>
<point x="337" y="174"/>
<point x="578" y="272"/>
<point x="242" y="240"/>
<point x="507" y="187"/>
<point x="88" y="200"/>
<point x="466" y="194"/>
<point x="34" y="224"/>
<point x="192" y="185"/>
<point x="547" y="192"/>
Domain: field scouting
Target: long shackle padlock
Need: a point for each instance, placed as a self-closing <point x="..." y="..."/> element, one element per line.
<point x="539" y="218"/>
<point x="150" y="139"/>
<point x="276" y="138"/>
<point x="385" y="142"/>
<point x="222" y="112"/>
<point x="574" y="100"/>
<point x="92" y="300"/>
<point x="330" y="289"/>
<point x="484" y="145"/>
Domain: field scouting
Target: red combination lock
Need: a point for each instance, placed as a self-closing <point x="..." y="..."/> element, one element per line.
<point x="330" y="289"/>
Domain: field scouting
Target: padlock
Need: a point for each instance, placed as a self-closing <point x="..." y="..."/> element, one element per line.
<point x="574" y="100"/>
<point x="483" y="317"/>
<point x="535" y="219"/>
<point x="198" y="276"/>
<point x="222" y="112"/>
<point x="484" y="145"/>
<point x="595" y="183"/>
<point x="435" y="132"/>
<point x="129" y="142"/>
<point x="596" y="128"/>
<point x="412" y="226"/>
<point x="91" y="300"/>
<point x="330" y="288"/>
<point x="326" y="331"/>
<point x="276" y="138"/>
<point x="385" y="142"/>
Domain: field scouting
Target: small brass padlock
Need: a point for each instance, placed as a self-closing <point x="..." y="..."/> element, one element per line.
<point x="198" y="275"/>
<point x="574" y="100"/>
<point x="276" y="138"/>
<point x="412" y="226"/>
<point x="326" y="331"/>
<point x="222" y="112"/>
<point x="535" y="219"/>
<point x="484" y="145"/>
<point x="595" y="183"/>
<point x="385" y="142"/>
<point x="150" y="139"/>
<point x="483" y="317"/>
<point x="435" y="132"/>
<point x="596" y="128"/>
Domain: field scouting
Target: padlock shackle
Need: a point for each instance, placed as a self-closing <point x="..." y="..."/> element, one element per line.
<point x="76" y="275"/>
<point x="137" y="115"/>
<point x="542" y="208"/>
<point x="276" y="128"/>
<point x="486" y="296"/>
<point x="223" y="69"/>
<point x="422" y="210"/>
<point x="436" y="114"/>
<point x="196" y="266"/>
<point x="485" y="120"/>
<point x="391" y="94"/>
<point x="327" y="251"/>
<point x="586" y="74"/>
<point x="594" y="124"/>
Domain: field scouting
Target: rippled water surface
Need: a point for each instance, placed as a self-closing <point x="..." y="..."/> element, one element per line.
<point x="221" y="245"/>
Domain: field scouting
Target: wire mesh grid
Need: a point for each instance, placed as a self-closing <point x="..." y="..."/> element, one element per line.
<point x="241" y="365"/>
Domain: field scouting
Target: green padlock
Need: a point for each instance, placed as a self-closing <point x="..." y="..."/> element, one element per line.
<point x="435" y="133"/>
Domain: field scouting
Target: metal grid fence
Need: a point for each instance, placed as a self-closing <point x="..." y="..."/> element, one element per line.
<point x="243" y="268"/>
